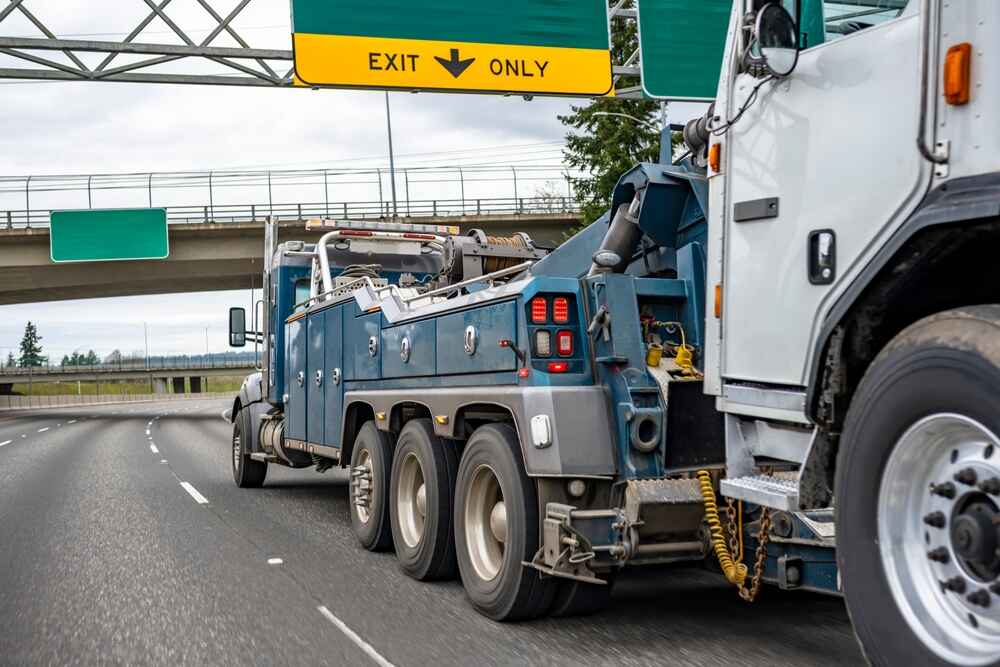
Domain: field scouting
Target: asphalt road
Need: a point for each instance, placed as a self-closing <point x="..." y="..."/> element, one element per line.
<point x="106" y="557"/>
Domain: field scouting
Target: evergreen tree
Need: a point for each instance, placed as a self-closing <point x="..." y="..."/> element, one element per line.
<point x="65" y="361"/>
<point x="31" y="348"/>
<point x="11" y="361"/>
<point x="91" y="359"/>
<point x="605" y="147"/>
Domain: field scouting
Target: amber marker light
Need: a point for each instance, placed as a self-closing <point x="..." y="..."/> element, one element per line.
<point x="715" y="157"/>
<point x="718" y="301"/>
<point x="958" y="74"/>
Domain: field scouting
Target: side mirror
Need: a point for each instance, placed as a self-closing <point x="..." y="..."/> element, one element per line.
<point x="237" y="327"/>
<point x="777" y="39"/>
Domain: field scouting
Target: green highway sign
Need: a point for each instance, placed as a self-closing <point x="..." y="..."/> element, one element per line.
<point x="108" y="235"/>
<point x="558" y="47"/>
<point x="681" y="45"/>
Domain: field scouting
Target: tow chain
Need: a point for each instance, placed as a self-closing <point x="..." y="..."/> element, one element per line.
<point x="731" y="556"/>
<point x="763" y="536"/>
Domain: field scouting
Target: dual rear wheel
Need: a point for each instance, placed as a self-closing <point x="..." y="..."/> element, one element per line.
<point x="474" y="515"/>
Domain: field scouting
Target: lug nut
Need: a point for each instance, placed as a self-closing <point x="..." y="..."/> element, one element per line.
<point x="946" y="490"/>
<point x="935" y="519"/>
<point x="979" y="598"/>
<point x="990" y="486"/>
<point x="939" y="555"/>
<point x="995" y="588"/>
<point x="955" y="584"/>
<point x="966" y="476"/>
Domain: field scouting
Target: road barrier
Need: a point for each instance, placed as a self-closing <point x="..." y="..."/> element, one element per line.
<point x="63" y="401"/>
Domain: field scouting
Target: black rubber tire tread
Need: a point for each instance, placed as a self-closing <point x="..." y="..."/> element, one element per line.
<point x="577" y="598"/>
<point x="248" y="474"/>
<point x="434" y="558"/>
<point x="519" y="592"/>
<point x="376" y="535"/>
<point x="949" y="362"/>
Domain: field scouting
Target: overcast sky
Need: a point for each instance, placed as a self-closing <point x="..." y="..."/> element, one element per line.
<point x="66" y="128"/>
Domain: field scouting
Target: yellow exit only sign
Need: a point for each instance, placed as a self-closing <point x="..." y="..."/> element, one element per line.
<point x="555" y="47"/>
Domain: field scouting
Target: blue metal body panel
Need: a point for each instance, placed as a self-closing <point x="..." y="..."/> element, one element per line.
<point x="334" y="400"/>
<point x="315" y="379"/>
<point x="493" y="323"/>
<point x="359" y="329"/>
<point x="422" y="359"/>
<point x="296" y="353"/>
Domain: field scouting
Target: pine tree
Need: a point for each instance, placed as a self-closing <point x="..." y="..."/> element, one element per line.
<point x="91" y="359"/>
<point x="607" y="146"/>
<point x="31" y="348"/>
<point x="11" y="361"/>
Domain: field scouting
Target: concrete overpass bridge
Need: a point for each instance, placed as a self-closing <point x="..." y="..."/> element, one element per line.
<point x="225" y="252"/>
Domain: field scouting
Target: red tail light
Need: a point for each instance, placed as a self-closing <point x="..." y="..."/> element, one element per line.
<point x="560" y="310"/>
<point x="558" y="367"/>
<point x="539" y="310"/>
<point x="564" y="343"/>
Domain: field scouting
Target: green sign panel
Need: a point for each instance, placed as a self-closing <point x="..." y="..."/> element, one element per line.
<point x="682" y="44"/>
<point x="108" y="235"/>
<point x="517" y="46"/>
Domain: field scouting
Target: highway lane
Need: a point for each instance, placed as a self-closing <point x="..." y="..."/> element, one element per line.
<point x="107" y="558"/>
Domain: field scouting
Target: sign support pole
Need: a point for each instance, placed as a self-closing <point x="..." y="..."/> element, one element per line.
<point x="392" y="158"/>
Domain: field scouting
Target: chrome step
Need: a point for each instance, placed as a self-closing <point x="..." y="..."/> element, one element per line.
<point x="267" y="458"/>
<point x="782" y="494"/>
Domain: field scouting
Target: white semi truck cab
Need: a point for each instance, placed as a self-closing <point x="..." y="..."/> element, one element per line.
<point x="853" y="343"/>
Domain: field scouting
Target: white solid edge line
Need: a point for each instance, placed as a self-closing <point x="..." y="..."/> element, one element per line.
<point x="5" y="442"/>
<point x="193" y="492"/>
<point x="153" y="449"/>
<point x="353" y="636"/>
<point x="43" y="430"/>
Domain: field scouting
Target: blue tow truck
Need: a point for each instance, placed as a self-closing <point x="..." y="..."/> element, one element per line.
<point x="532" y="421"/>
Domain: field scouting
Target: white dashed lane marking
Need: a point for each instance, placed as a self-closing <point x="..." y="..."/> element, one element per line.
<point x="353" y="636"/>
<point x="43" y="430"/>
<point x="153" y="449"/>
<point x="5" y="442"/>
<point x="193" y="492"/>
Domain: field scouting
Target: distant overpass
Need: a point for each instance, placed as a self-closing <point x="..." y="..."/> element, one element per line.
<point x="182" y="378"/>
<point x="219" y="254"/>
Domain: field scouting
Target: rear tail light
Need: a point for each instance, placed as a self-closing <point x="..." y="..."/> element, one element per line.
<point x="560" y="310"/>
<point x="564" y="343"/>
<point x="539" y="310"/>
<point x="543" y="343"/>
<point x="558" y="367"/>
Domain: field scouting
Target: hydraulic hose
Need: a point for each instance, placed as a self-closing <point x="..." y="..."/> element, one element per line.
<point x="736" y="573"/>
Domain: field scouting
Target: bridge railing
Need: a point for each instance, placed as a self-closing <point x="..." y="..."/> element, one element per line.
<point x="229" y="213"/>
<point x="124" y="366"/>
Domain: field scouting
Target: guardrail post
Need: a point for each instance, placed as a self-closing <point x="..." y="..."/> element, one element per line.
<point x="10" y="221"/>
<point x="435" y="207"/>
<point x="253" y="212"/>
<point x="345" y="210"/>
<point x="205" y="215"/>
<point x="479" y="207"/>
<point x="300" y="211"/>
<point x="520" y="206"/>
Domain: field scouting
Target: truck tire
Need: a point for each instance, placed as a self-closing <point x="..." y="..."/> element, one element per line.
<point x="247" y="473"/>
<point x="496" y="520"/>
<point x="371" y="465"/>
<point x="577" y="598"/>
<point x="917" y="495"/>
<point x="423" y="490"/>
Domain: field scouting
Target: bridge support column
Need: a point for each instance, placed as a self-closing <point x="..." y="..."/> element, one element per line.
<point x="195" y="385"/>
<point x="160" y="386"/>
<point x="178" y="385"/>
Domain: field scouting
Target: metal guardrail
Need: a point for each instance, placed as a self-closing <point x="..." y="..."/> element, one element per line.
<point x="127" y="366"/>
<point x="17" y="219"/>
<point x="66" y="400"/>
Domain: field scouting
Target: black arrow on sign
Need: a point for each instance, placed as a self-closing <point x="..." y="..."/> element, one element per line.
<point x="455" y="66"/>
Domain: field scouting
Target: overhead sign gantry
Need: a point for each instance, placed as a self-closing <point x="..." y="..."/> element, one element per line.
<point x="531" y="47"/>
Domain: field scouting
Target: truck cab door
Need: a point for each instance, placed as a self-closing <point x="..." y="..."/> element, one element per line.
<point x="823" y="162"/>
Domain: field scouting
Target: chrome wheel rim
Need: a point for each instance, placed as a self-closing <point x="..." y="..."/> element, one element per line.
<point x="363" y="485"/>
<point x="237" y="453"/>
<point x="411" y="500"/>
<point x="937" y="529"/>
<point x="486" y="523"/>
